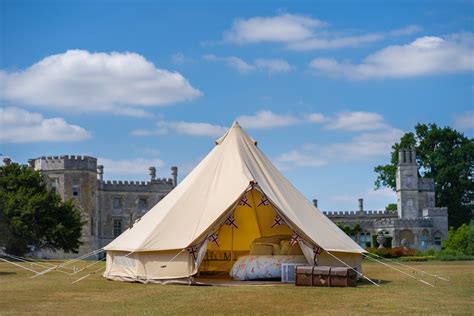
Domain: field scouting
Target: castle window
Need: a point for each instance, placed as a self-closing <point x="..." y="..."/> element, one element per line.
<point x="142" y="203"/>
<point x="117" y="203"/>
<point x="92" y="225"/>
<point x="117" y="227"/>
<point x="437" y="239"/>
<point x="76" y="187"/>
<point x="365" y="240"/>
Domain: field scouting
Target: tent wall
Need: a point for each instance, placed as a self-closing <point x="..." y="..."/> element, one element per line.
<point x="148" y="266"/>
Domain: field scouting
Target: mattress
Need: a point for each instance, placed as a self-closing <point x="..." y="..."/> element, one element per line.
<point x="254" y="267"/>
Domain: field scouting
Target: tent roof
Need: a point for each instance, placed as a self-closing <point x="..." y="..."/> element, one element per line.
<point x="212" y="187"/>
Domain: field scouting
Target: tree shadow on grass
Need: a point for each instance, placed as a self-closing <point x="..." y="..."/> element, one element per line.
<point x="6" y="273"/>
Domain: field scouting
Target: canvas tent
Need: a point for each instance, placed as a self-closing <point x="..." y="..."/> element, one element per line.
<point x="233" y="196"/>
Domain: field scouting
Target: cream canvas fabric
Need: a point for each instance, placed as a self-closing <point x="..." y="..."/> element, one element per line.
<point x="186" y="214"/>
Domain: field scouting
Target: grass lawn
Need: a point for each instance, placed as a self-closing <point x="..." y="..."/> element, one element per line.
<point x="53" y="293"/>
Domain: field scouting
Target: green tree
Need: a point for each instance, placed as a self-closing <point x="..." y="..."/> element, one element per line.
<point x="461" y="240"/>
<point x="32" y="216"/>
<point x="392" y="207"/>
<point x="445" y="155"/>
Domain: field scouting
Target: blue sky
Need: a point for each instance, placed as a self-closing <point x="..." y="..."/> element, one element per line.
<point x="325" y="87"/>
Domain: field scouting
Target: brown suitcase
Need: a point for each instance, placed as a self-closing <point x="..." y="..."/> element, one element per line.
<point x="325" y="276"/>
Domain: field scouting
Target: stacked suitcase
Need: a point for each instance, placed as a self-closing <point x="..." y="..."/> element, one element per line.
<point x="325" y="276"/>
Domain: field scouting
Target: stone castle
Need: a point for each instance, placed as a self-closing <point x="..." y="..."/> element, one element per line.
<point x="417" y="223"/>
<point x="109" y="207"/>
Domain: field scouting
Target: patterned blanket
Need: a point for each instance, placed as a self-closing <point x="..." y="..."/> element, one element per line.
<point x="262" y="267"/>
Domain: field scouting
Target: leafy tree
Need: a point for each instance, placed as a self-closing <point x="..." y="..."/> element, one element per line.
<point x="392" y="207"/>
<point x="445" y="155"/>
<point x="461" y="240"/>
<point x="32" y="216"/>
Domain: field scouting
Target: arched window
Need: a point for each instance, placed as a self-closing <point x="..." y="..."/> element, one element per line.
<point x="365" y="240"/>
<point x="406" y="236"/>
<point x="425" y="238"/>
<point x="437" y="237"/>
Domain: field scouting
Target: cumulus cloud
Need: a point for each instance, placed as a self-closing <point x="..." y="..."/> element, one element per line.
<point x="185" y="128"/>
<point x="271" y="65"/>
<point x="299" y="159"/>
<point x="266" y="119"/>
<point x="282" y="28"/>
<point x="302" y="33"/>
<point x="315" y="118"/>
<point x="357" y="121"/>
<point x="425" y="56"/>
<point x="126" y="167"/>
<point x="464" y="121"/>
<point x="234" y="62"/>
<point x="363" y="146"/>
<point x="80" y="81"/>
<point x="20" y="126"/>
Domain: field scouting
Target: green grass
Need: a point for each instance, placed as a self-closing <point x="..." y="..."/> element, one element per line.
<point x="53" y="293"/>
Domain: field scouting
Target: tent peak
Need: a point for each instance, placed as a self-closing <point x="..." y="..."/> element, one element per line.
<point x="236" y="124"/>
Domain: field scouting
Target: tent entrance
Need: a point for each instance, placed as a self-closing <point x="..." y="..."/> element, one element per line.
<point x="252" y="218"/>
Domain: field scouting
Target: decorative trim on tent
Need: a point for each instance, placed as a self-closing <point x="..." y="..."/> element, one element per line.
<point x="278" y="221"/>
<point x="264" y="201"/>
<point x="295" y="238"/>
<point x="193" y="251"/>
<point x="231" y="221"/>
<point x="244" y="201"/>
<point x="316" y="251"/>
<point x="214" y="238"/>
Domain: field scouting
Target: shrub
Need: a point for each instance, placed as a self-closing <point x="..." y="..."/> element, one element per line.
<point x="460" y="241"/>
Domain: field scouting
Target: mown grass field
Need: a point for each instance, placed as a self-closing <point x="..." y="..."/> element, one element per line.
<point x="53" y="293"/>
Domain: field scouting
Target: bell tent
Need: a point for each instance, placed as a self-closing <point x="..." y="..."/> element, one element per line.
<point x="234" y="196"/>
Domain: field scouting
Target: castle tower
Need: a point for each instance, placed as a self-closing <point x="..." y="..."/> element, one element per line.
<point x="74" y="177"/>
<point x="407" y="184"/>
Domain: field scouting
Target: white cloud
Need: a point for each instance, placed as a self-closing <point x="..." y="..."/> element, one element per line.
<point x="282" y="28"/>
<point x="315" y="118"/>
<point x="233" y="62"/>
<point x="331" y="43"/>
<point x="357" y="121"/>
<point x="80" y="81"/>
<point x="302" y="33"/>
<point x="370" y="144"/>
<point x="272" y="65"/>
<point x="424" y="56"/>
<point x="360" y="147"/>
<point x="266" y="119"/>
<point x="20" y="126"/>
<point x="464" y="121"/>
<point x="135" y="166"/>
<point x="299" y="159"/>
<point x="185" y="128"/>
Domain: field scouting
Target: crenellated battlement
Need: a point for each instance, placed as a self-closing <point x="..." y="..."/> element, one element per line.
<point x="435" y="211"/>
<point x="65" y="162"/>
<point x="145" y="186"/>
<point x="368" y="213"/>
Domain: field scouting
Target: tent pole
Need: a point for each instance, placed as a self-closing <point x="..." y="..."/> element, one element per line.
<point x="255" y="211"/>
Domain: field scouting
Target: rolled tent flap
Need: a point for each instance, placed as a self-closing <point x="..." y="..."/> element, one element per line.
<point x="155" y="248"/>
